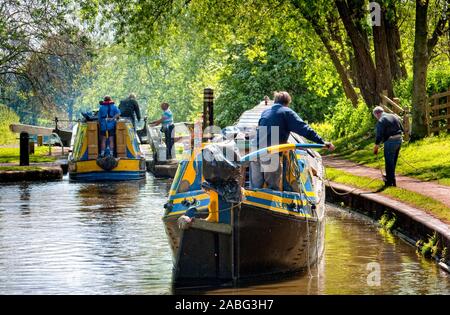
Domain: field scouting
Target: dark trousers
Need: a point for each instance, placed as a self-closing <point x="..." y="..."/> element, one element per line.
<point x="391" y="151"/>
<point x="168" y="136"/>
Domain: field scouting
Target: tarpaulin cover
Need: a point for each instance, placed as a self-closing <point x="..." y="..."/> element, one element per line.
<point x="221" y="162"/>
<point x="221" y="170"/>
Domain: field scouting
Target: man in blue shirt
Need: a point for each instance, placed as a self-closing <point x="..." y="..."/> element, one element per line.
<point x="108" y="113"/>
<point x="274" y="127"/>
<point x="167" y="127"/>
<point x="389" y="131"/>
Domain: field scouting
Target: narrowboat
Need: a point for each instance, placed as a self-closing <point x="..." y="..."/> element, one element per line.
<point x="158" y="165"/>
<point x="85" y="163"/>
<point x="221" y="231"/>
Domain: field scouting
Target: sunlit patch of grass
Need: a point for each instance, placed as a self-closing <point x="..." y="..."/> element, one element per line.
<point x="430" y="205"/>
<point x="427" y="159"/>
<point x="19" y="168"/>
<point x="12" y="155"/>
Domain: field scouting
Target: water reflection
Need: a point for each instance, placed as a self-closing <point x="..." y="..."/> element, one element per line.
<point x="108" y="238"/>
<point x="24" y="189"/>
<point x="352" y="242"/>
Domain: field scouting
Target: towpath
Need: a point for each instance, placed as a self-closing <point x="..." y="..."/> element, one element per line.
<point x="431" y="189"/>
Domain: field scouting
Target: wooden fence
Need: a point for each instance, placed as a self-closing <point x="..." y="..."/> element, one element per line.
<point x="438" y="113"/>
<point x="393" y="106"/>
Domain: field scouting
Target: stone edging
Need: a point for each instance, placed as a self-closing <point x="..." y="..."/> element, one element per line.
<point x="45" y="173"/>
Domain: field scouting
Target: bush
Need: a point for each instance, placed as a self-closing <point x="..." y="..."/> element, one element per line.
<point x="7" y="117"/>
<point x="347" y="121"/>
<point x="438" y="81"/>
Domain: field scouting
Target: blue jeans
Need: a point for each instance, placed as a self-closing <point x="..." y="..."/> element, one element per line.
<point x="391" y="151"/>
<point x="168" y="135"/>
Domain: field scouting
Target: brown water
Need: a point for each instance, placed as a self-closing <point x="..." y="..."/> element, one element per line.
<point x="72" y="238"/>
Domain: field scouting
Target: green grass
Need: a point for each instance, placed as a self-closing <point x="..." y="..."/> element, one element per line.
<point x="427" y="159"/>
<point x="19" y="168"/>
<point x="12" y="155"/>
<point x="428" y="204"/>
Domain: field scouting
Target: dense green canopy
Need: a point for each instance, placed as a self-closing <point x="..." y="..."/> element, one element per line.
<point x="328" y="54"/>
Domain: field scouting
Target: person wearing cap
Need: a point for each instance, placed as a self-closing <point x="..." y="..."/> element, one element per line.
<point x="129" y="107"/>
<point x="107" y="115"/>
<point x="274" y="127"/>
<point x="167" y="127"/>
<point x="389" y="130"/>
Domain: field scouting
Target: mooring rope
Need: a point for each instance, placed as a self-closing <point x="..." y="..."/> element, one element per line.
<point x="356" y="188"/>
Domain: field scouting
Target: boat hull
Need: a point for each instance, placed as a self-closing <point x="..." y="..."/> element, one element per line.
<point x="264" y="244"/>
<point x="127" y="169"/>
<point x="107" y="176"/>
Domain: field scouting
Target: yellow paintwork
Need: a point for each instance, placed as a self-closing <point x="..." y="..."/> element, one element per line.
<point x="213" y="207"/>
<point x="267" y="196"/>
<point x="198" y="197"/>
<point x="183" y="211"/>
<point x="281" y="148"/>
<point x="80" y="145"/>
<point x="91" y="166"/>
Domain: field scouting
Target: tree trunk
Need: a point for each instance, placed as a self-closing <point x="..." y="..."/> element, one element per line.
<point x="420" y="66"/>
<point x="383" y="69"/>
<point x="365" y="68"/>
<point x="349" y="91"/>
<point x="342" y="71"/>
<point x="397" y="64"/>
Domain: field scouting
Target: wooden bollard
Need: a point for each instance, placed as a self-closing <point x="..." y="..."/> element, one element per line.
<point x="208" y="107"/>
<point x="40" y="141"/>
<point x="24" y="149"/>
<point x="31" y="147"/>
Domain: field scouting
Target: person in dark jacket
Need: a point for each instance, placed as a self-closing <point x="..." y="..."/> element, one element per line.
<point x="389" y="130"/>
<point x="274" y="127"/>
<point x="129" y="107"/>
<point x="107" y="115"/>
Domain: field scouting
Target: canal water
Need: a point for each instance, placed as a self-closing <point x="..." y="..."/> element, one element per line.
<point x="108" y="238"/>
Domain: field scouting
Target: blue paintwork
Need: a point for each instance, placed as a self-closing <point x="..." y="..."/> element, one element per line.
<point x="85" y="156"/>
<point x="261" y="152"/>
<point x="107" y="176"/>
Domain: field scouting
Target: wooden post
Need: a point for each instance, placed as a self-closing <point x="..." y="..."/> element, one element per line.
<point x="427" y="116"/>
<point x="383" y="101"/>
<point x="31" y="147"/>
<point x="448" y="109"/>
<point x="24" y="149"/>
<point x="406" y="124"/>
<point x="208" y="108"/>
<point x="40" y="140"/>
<point x="435" y="112"/>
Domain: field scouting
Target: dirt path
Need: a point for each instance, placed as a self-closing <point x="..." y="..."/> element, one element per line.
<point x="430" y="189"/>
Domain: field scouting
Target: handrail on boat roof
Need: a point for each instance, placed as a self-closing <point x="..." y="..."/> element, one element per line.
<point x="279" y="148"/>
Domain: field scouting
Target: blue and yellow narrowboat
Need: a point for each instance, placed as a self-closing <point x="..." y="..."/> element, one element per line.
<point x="85" y="163"/>
<point x="222" y="231"/>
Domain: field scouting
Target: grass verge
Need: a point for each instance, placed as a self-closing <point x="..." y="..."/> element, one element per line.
<point x="12" y="155"/>
<point x="19" y="168"/>
<point x="427" y="159"/>
<point x="430" y="205"/>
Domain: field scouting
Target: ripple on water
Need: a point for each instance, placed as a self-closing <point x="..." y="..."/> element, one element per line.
<point x="108" y="238"/>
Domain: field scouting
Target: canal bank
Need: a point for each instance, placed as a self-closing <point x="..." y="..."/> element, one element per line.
<point x="10" y="174"/>
<point x="44" y="164"/>
<point x="414" y="225"/>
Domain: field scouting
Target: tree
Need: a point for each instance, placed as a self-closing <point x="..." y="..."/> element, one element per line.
<point x="423" y="48"/>
<point x="24" y="26"/>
